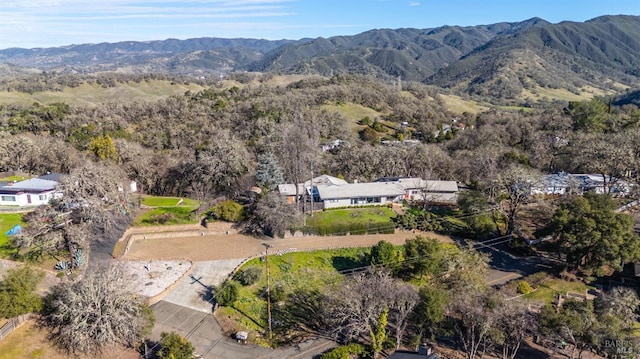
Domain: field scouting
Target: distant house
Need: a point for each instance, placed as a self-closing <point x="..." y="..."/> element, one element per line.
<point x="334" y="192"/>
<point x="563" y="183"/>
<point x="331" y="145"/>
<point x="31" y="192"/>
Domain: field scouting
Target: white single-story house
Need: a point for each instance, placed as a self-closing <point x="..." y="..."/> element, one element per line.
<point x="335" y="192"/>
<point x="308" y="187"/>
<point x="360" y="194"/>
<point x="418" y="189"/>
<point x="562" y="183"/>
<point x="31" y="192"/>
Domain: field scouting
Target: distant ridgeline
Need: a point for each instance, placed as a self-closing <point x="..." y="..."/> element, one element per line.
<point x="532" y="59"/>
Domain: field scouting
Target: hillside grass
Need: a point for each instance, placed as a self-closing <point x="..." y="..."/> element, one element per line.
<point x="457" y="104"/>
<point x="353" y="112"/>
<point x="93" y="94"/>
<point x="289" y="272"/>
<point x="7" y="221"/>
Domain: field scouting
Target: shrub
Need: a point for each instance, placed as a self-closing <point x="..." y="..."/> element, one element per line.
<point x="229" y="211"/>
<point x="345" y="352"/>
<point x="18" y="292"/>
<point x="524" y="287"/>
<point x="366" y="121"/>
<point x="161" y="218"/>
<point x="278" y="293"/>
<point x="227" y="294"/>
<point x="173" y="346"/>
<point x="248" y="276"/>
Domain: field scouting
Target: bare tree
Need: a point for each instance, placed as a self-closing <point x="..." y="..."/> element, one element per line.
<point x="273" y="215"/>
<point x="473" y="322"/>
<point x="404" y="301"/>
<point x="514" y="323"/>
<point x="93" y="200"/>
<point x="357" y="305"/>
<point x="97" y="312"/>
<point x="299" y="151"/>
<point x="510" y="189"/>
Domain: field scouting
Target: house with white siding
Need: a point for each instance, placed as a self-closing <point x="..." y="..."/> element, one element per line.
<point x="334" y="192"/>
<point x="31" y="192"/>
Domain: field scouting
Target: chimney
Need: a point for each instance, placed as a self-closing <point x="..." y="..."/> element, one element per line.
<point x="425" y="349"/>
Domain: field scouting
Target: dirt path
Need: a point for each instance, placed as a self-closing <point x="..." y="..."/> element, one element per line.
<point x="236" y="246"/>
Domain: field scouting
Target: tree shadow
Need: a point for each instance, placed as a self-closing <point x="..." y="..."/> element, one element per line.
<point x="206" y="292"/>
<point x="341" y="263"/>
<point x="298" y="317"/>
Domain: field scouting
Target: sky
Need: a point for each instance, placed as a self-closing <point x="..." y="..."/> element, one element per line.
<point x="49" y="23"/>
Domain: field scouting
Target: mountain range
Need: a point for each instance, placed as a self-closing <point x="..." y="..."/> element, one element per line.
<point x="500" y="60"/>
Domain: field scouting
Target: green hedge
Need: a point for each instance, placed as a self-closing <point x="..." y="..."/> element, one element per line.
<point x="351" y="228"/>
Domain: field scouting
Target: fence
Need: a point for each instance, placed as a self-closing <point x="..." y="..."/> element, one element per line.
<point x="13" y="324"/>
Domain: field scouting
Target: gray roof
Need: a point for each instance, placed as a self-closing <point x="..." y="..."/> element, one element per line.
<point x="353" y="190"/>
<point x="289" y="189"/>
<point x="327" y="180"/>
<point x="30" y="185"/>
<point x="429" y="185"/>
<point x="52" y="177"/>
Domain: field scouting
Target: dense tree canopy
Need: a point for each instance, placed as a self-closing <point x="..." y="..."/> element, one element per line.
<point x="18" y="292"/>
<point x="592" y="234"/>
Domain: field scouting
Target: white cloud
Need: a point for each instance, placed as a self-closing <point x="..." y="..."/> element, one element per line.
<point x="415" y="3"/>
<point x="35" y="23"/>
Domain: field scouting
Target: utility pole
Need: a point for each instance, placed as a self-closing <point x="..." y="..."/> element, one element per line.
<point x="266" y="261"/>
<point x="312" y="194"/>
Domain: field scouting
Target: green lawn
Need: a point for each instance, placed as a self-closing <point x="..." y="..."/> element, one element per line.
<point x="7" y="221"/>
<point x="167" y="211"/>
<point x="354" y="220"/>
<point x="13" y="178"/>
<point x="289" y="272"/>
<point x="547" y="291"/>
<point x="156" y="201"/>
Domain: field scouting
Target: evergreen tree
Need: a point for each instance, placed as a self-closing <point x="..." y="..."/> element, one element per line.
<point x="17" y="292"/>
<point x="268" y="172"/>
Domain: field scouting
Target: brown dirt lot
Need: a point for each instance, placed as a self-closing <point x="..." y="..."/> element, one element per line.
<point x="235" y="246"/>
<point x="30" y="341"/>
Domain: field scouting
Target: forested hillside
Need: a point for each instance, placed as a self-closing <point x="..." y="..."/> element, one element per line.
<point x="206" y="143"/>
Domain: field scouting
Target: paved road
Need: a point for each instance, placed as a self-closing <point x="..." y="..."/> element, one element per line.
<point x="204" y="332"/>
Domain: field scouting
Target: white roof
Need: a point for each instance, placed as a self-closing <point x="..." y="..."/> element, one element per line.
<point x="428" y="185"/>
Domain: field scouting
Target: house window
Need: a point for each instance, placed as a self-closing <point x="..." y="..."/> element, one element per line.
<point x="415" y="191"/>
<point x="333" y="201"/>
<point x="42" y="197"/>
<point x="8" y="198"/>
